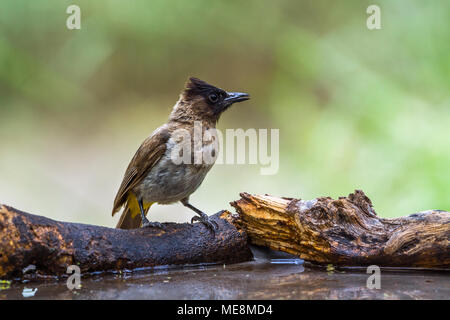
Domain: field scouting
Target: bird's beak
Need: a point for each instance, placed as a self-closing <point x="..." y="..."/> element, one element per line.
<point x="233" y="97"/>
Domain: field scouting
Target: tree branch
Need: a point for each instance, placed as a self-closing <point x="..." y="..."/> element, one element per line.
<point x="51" y="246"/>
<point x="346" y="231"/>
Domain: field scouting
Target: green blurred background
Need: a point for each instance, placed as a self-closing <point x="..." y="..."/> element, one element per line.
<point x="355" y="108"/>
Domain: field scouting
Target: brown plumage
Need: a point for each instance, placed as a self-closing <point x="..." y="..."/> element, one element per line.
<point x="152" y="176"/>
<point x="144" y="159"/>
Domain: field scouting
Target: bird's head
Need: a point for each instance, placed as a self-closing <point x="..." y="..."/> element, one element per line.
<point x="202" y="101"/>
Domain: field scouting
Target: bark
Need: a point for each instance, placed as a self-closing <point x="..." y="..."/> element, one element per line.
<point x="343" y="232"/>
<point x="346" y="231"/>
<point x="34" y="243"/>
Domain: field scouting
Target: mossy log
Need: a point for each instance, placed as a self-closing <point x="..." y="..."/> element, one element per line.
<point x="346" y="231"/>
<point x="50" y="246"/>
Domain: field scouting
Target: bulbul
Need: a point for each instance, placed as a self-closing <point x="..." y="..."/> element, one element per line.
<point x="153" y="176"/>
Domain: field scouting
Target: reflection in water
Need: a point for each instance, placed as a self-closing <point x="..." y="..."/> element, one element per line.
<point x="27" y="292"/>
<point x="287" y="261"/>
<point x="259" y="279"/>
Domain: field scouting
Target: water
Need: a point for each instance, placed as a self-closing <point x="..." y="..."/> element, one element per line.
<point x="259" y="279"/>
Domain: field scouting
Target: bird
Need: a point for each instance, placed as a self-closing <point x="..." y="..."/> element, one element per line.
<point x="153" y="176"/>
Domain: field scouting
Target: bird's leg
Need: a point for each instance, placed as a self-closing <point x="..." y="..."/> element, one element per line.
<point x="203" y="217"/>
<point x="145" y="222"/>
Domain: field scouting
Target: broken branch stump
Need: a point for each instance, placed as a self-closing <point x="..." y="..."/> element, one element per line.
<point x="346" y="231"/>
<point x="51" y="246"/>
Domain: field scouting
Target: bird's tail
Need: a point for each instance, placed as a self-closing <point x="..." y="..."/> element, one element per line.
<point x="131" y="215"/>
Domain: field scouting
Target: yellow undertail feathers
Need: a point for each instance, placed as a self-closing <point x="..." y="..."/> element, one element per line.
<point x="133" y="205"/>
<point x="131" y="216"/>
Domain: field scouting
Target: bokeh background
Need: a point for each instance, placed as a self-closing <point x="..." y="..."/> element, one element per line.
<point x="355" y="108"/>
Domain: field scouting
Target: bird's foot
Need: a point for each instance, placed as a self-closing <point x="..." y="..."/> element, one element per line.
<point x="209" y="223"/>
<point x="148" y="224"/>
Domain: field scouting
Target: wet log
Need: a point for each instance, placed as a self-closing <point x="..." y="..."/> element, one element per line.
<point x="33" y="246"/>
<point x="346" y="231"/>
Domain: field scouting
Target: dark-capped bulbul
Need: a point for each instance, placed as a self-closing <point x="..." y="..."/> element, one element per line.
<point x="153" y="177"/>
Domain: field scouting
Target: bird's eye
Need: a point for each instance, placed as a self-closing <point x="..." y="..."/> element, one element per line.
<point x="213" y="97"/>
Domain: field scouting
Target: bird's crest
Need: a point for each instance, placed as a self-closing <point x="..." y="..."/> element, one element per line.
<point x="195" y="86"/>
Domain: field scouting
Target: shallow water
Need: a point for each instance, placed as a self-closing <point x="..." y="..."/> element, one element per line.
<point x="259" y="279"/>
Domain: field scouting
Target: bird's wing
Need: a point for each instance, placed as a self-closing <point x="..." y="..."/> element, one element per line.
<point x="148" y="154"/>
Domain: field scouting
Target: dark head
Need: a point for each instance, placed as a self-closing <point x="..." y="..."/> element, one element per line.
<point x="202" y="101"/>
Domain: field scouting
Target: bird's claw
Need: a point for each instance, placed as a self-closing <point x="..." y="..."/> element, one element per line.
<point x="211" y="224"/>
<point x="148" y="224"/>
